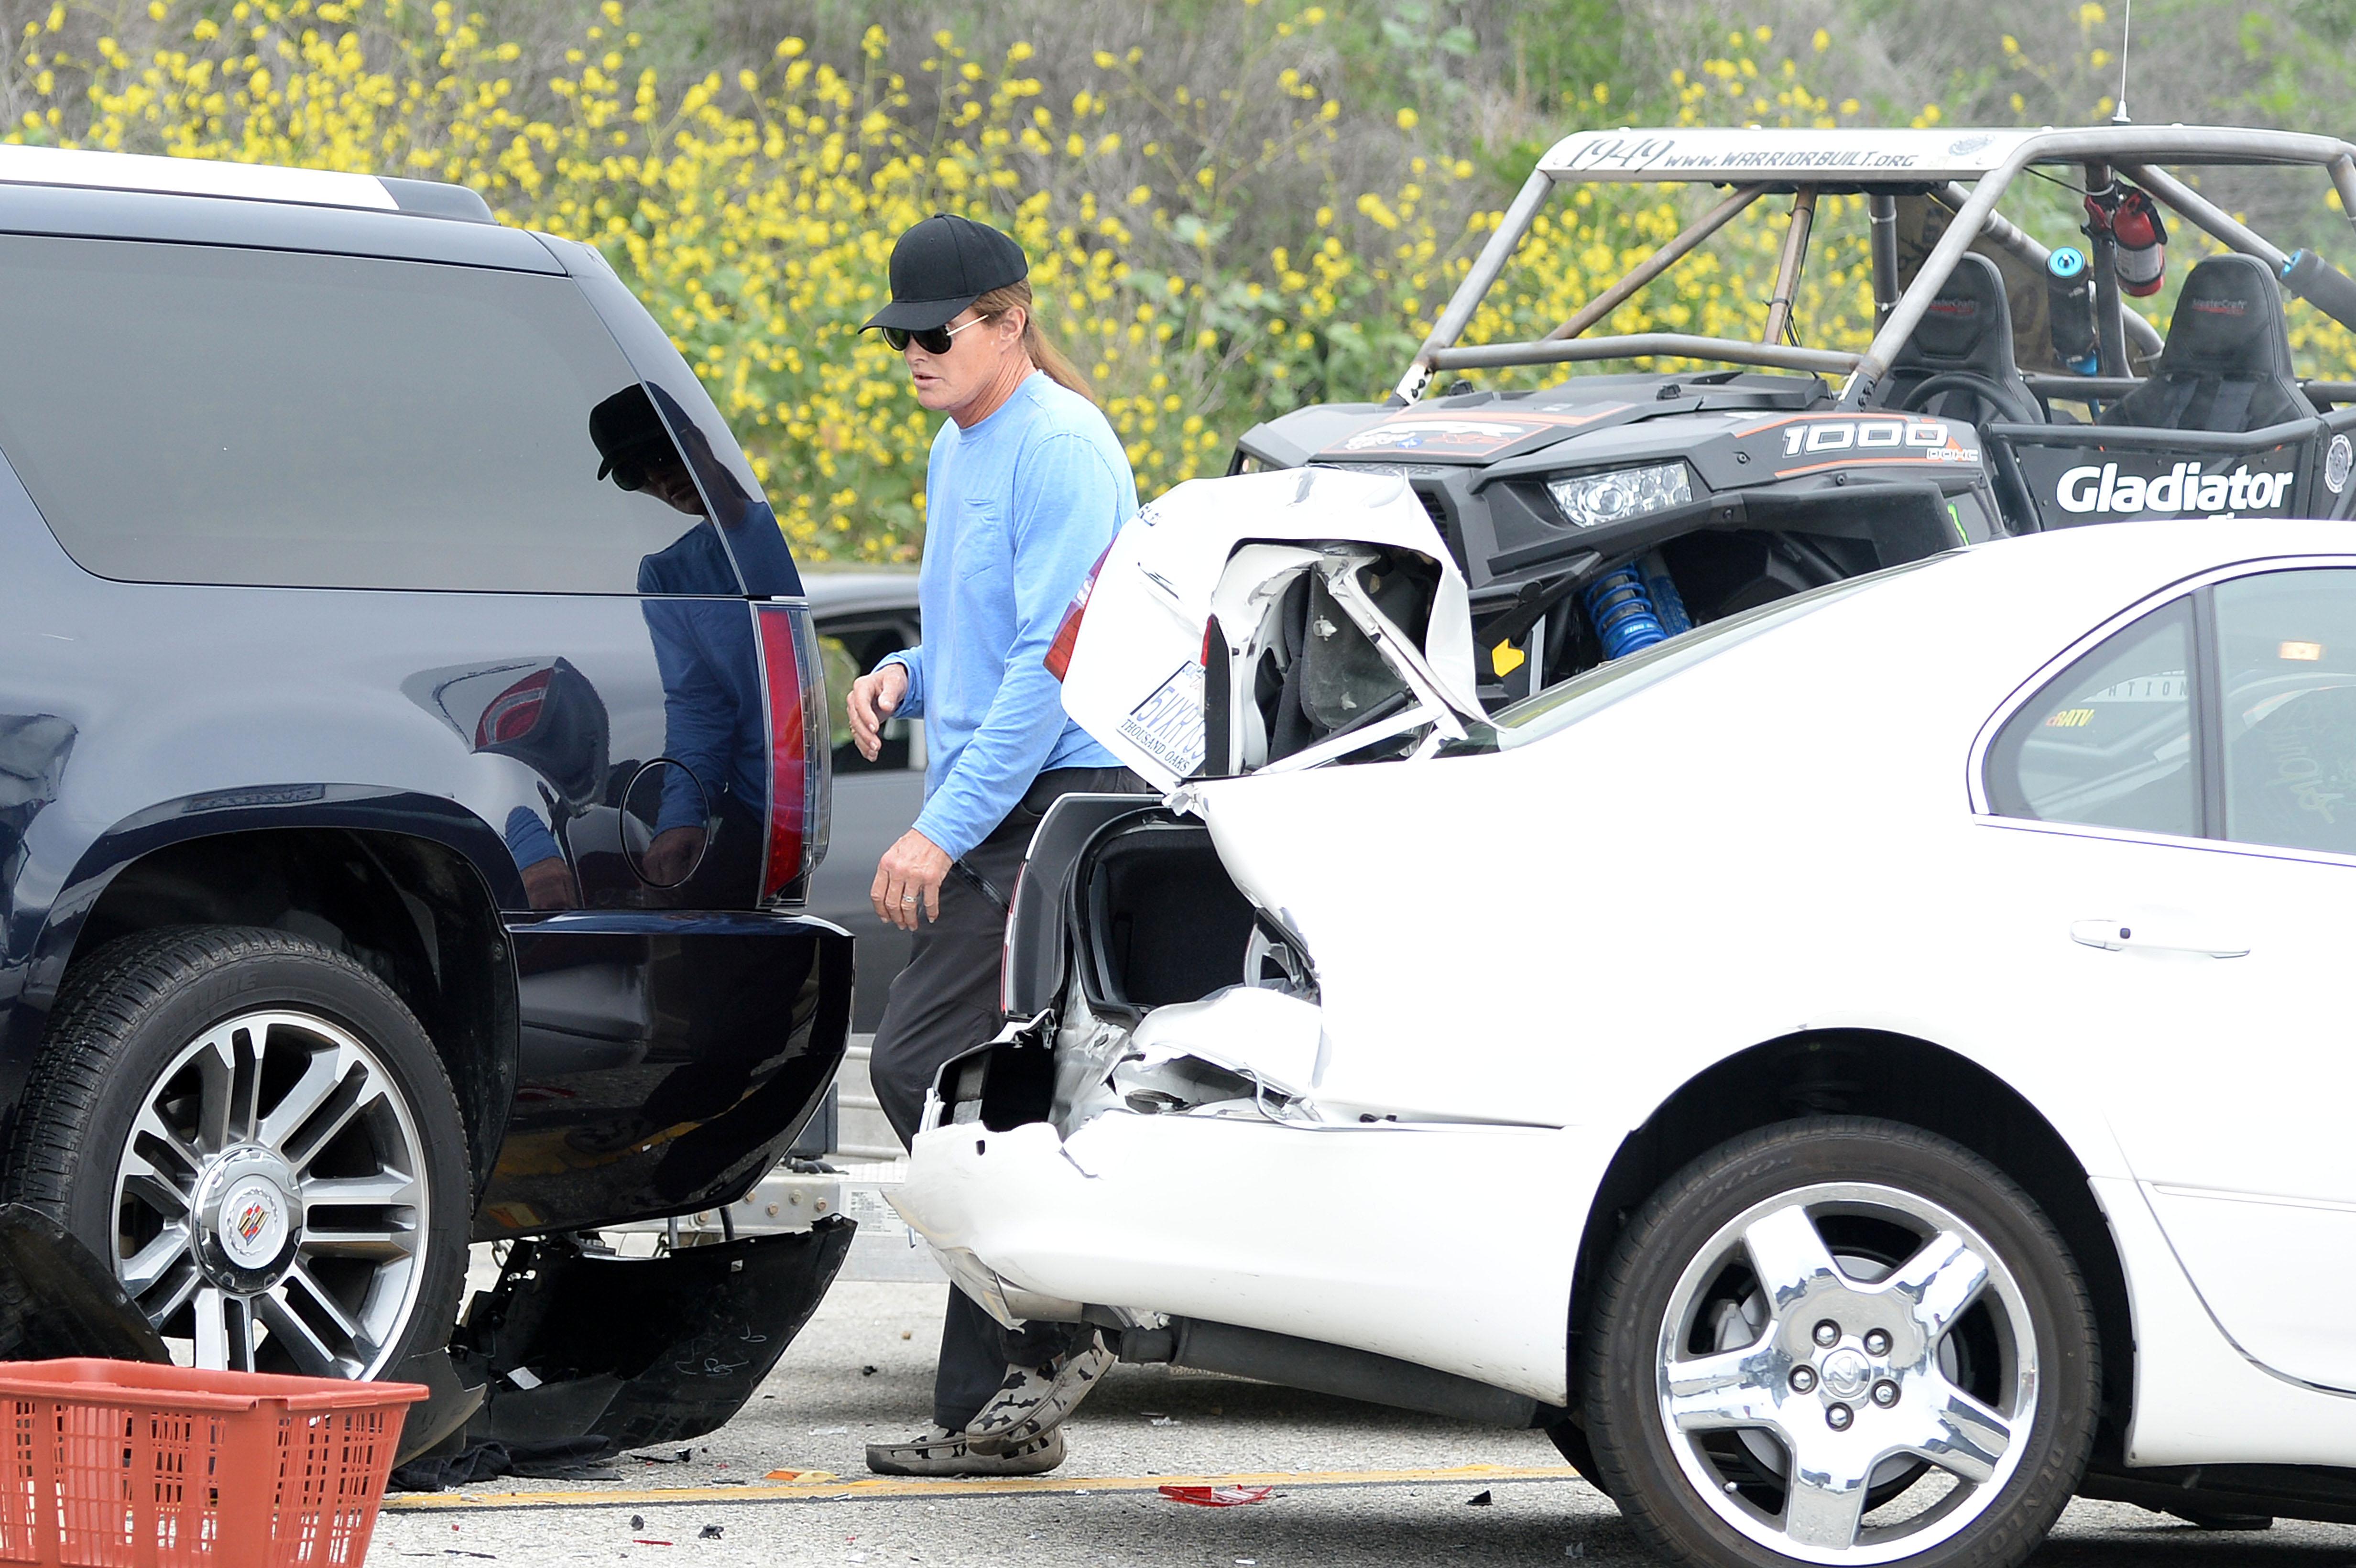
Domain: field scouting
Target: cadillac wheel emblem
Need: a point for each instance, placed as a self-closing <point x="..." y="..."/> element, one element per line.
<point x="252" y="1231"/>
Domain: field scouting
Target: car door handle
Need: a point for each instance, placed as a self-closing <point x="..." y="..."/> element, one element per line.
<point x="2133" y="935"/>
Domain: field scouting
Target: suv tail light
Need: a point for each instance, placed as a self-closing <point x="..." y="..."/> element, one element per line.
<point x="1067" y="633"/>
<point x="801" y="792"/>
<point x="513" y="712"/>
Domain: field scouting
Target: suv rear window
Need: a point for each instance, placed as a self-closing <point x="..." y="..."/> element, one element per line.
<point x="186" y="413"/>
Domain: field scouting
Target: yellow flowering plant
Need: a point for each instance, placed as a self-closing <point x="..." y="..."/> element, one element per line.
<point x="753" y="209"/>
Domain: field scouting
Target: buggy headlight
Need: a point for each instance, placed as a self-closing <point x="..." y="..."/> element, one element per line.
<point x="1592" y="500"/>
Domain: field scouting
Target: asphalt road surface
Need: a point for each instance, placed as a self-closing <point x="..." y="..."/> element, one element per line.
<point x="1352" y="1484"/>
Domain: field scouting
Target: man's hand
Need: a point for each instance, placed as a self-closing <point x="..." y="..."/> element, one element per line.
<point x="549" y="884"/>
<point x="873" y="699"/>
<point x="673" y="854"/>
<point x="908" y="877"/>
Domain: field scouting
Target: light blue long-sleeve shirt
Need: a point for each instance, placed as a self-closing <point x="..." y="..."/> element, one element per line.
<point x="1017" y="509"/>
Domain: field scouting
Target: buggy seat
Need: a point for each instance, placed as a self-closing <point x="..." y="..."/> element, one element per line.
<point x="2226" y="363"/>
<point x="1967" y="329"/>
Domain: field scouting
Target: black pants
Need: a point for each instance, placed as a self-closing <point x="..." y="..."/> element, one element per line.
<point x="944" y="1004"/>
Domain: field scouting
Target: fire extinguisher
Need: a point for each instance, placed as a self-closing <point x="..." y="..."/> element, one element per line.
<point x="2131" y="220"/>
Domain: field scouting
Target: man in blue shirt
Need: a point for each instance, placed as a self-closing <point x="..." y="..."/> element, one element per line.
<point x="1026" y="486"/>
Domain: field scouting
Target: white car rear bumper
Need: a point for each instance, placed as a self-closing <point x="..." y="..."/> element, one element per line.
<point x="1450" y="1246"/>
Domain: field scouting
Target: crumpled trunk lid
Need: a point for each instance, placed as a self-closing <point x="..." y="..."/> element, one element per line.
<point x="1269" y="622"/>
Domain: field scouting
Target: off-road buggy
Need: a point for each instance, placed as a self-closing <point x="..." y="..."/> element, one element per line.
<point x="2008" y="388"/>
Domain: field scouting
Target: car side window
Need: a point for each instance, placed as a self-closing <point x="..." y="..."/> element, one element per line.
<point x="2108" y="741"/>
<point x="849" y="649"/>
<point x="209" y="413"/>
<point x="2286" y="677"/>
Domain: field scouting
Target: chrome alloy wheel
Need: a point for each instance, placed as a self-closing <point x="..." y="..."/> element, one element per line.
<point x="270" y="1201"/>
<point x="1893" y="1400"/>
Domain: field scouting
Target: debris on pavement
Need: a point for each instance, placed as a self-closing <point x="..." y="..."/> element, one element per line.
<point x="639" y="1352"/>
<point x="548" y="1460"/>
<point x="57" y="1299"/>
<point x="1483" y="1501"/>
<point x="709" y="1532"/>
<point x="1215" y="1496"/>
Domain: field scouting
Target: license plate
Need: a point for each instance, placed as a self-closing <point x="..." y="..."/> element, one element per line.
<point x="1169" y="725"/>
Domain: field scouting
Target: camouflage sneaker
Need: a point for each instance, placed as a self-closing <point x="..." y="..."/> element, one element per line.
<point x="1033" y="1401"/>
<point x="937" y="1451"/>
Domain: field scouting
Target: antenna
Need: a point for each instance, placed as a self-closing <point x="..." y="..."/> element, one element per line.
<point x="2126" y="36"/>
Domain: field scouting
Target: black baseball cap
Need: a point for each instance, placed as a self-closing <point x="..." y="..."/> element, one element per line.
<point x="942" y="265"/>
<point x="625" y="428"/>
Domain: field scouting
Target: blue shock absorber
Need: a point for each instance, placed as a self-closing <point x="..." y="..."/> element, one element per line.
<point x="1620" y="608"/>
<point x="1668" y="604"/>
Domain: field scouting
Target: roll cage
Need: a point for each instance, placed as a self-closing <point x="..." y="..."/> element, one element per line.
<point x="1965" y="170"/>
<point x="1967" y="173"/>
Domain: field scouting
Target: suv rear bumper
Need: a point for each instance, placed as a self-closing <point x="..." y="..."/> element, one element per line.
<point x="665" y="1060"/>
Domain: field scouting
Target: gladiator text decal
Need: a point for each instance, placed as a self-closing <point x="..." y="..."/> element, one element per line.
<point x="2183" y="488"/>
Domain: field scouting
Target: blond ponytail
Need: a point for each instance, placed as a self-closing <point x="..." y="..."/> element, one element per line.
<point x="1044" y="354"/>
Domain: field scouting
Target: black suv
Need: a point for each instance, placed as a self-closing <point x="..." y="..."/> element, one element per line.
<point x="412" y="748"/>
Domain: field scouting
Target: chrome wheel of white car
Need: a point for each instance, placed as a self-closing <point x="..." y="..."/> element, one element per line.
<point x="254" y="1131"/>
<point x="273" y="1189"/>
<point x="1841" y="1342"/>
<point x="1846" y="1374"/>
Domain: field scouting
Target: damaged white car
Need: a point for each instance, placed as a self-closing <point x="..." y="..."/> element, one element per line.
<point x="1856" y="1073"/>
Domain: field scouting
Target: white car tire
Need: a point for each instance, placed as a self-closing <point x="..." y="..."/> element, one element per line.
<point x="1864" y="1304"/>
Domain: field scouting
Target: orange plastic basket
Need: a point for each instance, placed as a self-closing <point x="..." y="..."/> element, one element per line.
<point x="121" y="1465"/>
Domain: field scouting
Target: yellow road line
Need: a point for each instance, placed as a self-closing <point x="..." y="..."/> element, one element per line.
<point x="977" y="1487"/>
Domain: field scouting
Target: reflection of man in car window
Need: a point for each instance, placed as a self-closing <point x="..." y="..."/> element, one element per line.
<point x="713" y="711"/>
<point x="714" y="723"/>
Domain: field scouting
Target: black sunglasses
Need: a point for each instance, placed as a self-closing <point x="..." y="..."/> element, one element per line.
<point x="932" y="339"/>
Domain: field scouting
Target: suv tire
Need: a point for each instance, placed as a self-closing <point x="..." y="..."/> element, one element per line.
<point x="1860" y="1296"/>
<point x="255" y="1133"/>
